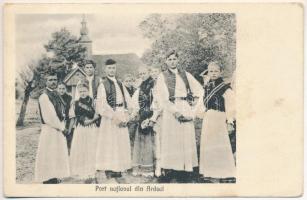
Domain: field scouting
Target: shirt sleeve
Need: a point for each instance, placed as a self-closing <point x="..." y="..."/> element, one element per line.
<point x="199" y="108"/>
<point x="102" y="107"/>
<point x="155" y="107"/>
<point x="72" y="113"/>
<point x="48" y="113"/>
<point x="135" y="101"/>
<point x="196" y="87"/>
<point x="229" y="105"/>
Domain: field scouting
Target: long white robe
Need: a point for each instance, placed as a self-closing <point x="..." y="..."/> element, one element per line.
<point x="178" y="144"/>
<point x="52" y="159"/>
<point x="113" y="145"/>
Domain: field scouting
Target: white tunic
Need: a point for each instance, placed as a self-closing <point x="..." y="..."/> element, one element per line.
<point x="52" y="154"/>
<point x="178" y="144"/>
<point x="113" y="145"/>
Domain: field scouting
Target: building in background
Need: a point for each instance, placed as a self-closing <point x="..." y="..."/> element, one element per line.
<point x="126" y="63"/>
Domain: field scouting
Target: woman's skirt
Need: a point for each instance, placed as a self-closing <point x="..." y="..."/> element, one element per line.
<point x="83" y="151"/>
<point x="143" y="152"/>
<point x="216" y="158"/>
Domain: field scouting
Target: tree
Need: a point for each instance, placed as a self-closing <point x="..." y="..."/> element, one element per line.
<point x="198" y="38"/>
<point x="62" y="51"/>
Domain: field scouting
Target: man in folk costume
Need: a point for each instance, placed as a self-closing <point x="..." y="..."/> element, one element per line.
<point x="176" y="94"/>
<point x="113" y="146"/>
<point x="52" y="162"/>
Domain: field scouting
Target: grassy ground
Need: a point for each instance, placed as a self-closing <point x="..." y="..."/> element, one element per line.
<point x="27" y="142"/>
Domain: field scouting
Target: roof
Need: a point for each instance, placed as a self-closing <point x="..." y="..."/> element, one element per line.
<point x="126" y="63"/>
<point x="68" y="76"/>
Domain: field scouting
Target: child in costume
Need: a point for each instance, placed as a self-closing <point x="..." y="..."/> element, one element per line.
<point x="217" y="110"/>
<point x="83" y="149"/>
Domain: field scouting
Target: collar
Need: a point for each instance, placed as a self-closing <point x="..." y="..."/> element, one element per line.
<point x="49" y="89"/>
<point x="112" y="78"/>
<point x="90" y="78"/>
<point x="175" y="71"/>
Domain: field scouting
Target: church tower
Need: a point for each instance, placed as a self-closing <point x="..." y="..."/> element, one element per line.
<point x="85" y="40"/>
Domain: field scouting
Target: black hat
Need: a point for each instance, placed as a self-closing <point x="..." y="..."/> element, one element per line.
<point x="110" y="62"/>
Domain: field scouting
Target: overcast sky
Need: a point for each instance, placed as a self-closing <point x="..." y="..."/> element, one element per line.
<point x="110" y="34"/>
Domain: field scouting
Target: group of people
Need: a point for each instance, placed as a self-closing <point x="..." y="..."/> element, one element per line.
<point x="109" y="128"/>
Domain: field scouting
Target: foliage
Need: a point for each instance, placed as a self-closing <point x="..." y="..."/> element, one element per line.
<point x="62" y="51"/>
<point x="198" y="38"/>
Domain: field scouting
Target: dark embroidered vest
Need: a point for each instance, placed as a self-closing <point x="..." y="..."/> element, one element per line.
<point x="145" y="100"/>
<point x="67" y="100"/>
<point x="58" y="104"/>
<point x="111" y="92"/>
<point x="170" y="81"/>
<point x="84" y="109"/>
<point x="214" y="92"/>
<point x="130" y="90"/>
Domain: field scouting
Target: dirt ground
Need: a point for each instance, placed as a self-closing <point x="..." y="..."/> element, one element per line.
<point x="27" y="142"/>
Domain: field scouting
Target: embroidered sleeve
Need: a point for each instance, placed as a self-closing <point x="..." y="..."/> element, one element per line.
<point x="229" y="105"/>
<point x="102" y="107"/>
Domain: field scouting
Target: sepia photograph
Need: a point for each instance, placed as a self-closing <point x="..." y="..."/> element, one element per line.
<point x="100" y="100"/>
<point x="153" y="100"/>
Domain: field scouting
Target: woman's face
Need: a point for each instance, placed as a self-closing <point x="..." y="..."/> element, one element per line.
<point x="83" y="92"/>
<point x="214" y="72"/>
<point x="143" y="74"/>
<point x="172" y="61"/>
<point x="61" y="89"/>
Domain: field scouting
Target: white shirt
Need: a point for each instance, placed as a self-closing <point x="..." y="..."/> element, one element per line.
<point x="90" y="81"/>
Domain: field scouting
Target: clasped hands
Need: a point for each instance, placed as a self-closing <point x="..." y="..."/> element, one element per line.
<point x="181" y="118"/>
<point x="147" y="123"/>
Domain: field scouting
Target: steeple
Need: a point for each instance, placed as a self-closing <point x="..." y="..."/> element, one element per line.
<point x="84" y="38"/>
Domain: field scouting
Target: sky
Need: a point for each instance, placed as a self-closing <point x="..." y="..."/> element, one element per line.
<point x="110" y="34"/>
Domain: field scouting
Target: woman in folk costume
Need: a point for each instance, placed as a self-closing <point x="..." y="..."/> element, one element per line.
<point x="83" y="149"/>
<point x="143" y="151"/>
<point x="217" y="110"/>
<point x="113" y="147"/>
<point x="176" y="93"/>
<point x="67" y="100"/>
<point x="52" y="162"/>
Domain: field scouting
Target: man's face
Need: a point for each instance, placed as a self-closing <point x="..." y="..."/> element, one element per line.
<point x="172" y="61"/>
<point x="111" y="70"/>
<point x="52" y="82"/>
<point x="89" y="69"/>
<point x="61" y="89"/>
